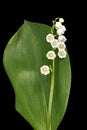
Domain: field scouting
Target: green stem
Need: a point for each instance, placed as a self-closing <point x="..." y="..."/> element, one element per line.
<point x="50" y="99"/>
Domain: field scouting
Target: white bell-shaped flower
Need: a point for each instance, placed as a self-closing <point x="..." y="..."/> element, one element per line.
<point x="45" y="70"/>
<point x="62" y="54"/>
<point x="54" y="44"/>
<point x="62" y="38"/>
<point x="61" y="46"/>
<point x="51" y="55"/>
<point x="58" y="25"/>
<point x="49" y="37"/>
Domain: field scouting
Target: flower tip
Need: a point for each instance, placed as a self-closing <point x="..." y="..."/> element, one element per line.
<point x="61" y="20"/>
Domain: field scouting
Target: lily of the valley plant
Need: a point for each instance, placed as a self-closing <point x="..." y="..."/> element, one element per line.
<point x="37" y="63"/>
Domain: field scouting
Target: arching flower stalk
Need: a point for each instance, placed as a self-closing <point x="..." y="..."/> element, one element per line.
<point x="57" y="40"/>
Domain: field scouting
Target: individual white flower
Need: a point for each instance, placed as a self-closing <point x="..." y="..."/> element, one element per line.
<point x="54" y="44"/>
<point x="50" y="37"/>
<point x="45" y="70"/>
<point x="62" y="38"/>
<point x="60" y="31"/>
<point x="63" y="28"/>
<point x="61" y="45"/>
<point x="62" y="53"/>
<point x="58" y="25"/>
<point x="61" y="20"/>
<point x="51" y="55"/>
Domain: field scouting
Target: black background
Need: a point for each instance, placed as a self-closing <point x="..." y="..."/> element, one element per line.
<point x="12" y="16"/>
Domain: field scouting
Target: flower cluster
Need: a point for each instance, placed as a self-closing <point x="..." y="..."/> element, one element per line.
<point x="57" y="41"/>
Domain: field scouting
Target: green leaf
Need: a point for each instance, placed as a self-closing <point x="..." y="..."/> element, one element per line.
<point x="23" y="56"/>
